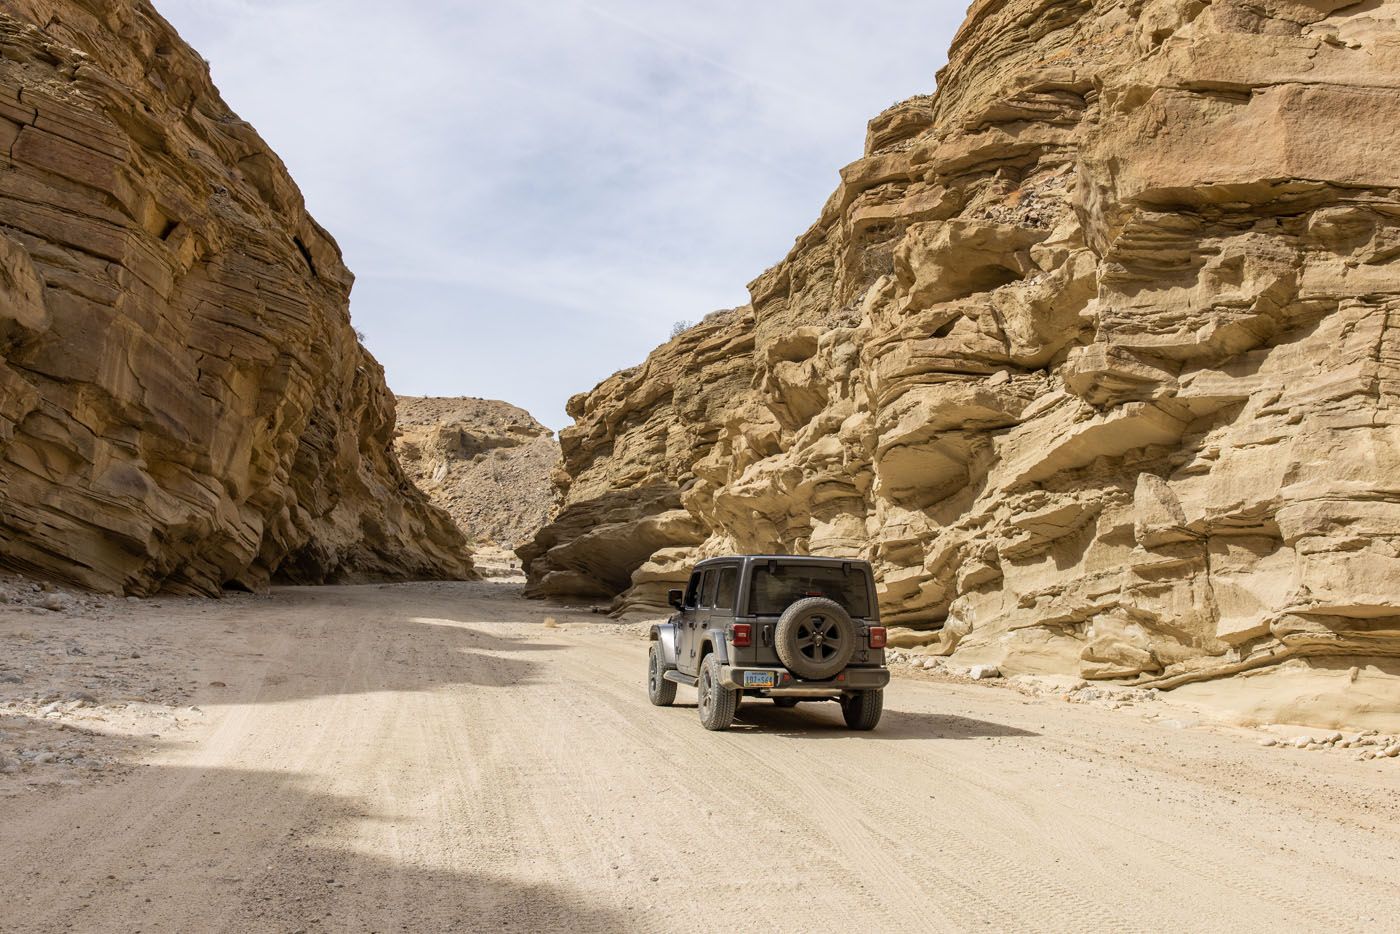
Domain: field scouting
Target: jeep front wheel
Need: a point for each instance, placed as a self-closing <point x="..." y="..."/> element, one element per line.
<point x="717" y="702"/>
<point x="661" y="691"/>
<point x="862" y="709"/>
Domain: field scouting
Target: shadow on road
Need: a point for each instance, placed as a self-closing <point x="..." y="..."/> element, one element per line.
<point x="175" y="849"/>
<point x="318" y="642"/>
<point x="823" y="721"/>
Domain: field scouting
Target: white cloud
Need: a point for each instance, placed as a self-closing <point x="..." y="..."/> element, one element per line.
<point x="531" y="192"/>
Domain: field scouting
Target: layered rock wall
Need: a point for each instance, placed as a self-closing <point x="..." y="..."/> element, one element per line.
<point x="636" y="440"/>
<point x="183" y="403"/>
<point x="1095" y="354"/>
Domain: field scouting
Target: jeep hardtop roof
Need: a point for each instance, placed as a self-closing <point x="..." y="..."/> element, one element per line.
<point x="785" y="559"/>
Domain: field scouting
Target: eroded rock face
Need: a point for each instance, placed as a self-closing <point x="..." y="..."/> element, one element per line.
<point x="489" y="464"/>
<point x="183" y="403"/>
<point x="635" y="443"/>
<point x="1094" y="354"/>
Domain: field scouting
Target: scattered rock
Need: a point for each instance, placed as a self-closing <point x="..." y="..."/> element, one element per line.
<point x="983" y="672"/>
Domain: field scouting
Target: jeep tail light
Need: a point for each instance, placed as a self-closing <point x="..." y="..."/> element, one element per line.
<point x="742" y="635"/>
<point x="878" y="636"/>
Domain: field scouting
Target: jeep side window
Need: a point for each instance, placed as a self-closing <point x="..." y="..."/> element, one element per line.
<point x="707" y="598"/>
<point x="728" y="585"/>
<point x="692" y="591"/>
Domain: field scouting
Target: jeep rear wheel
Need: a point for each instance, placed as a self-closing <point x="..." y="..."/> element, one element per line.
<point x="815" y="638"/>
<point x="862" y="709"/>
<point x="717" y="702"/>
<point x="661" y="692"/>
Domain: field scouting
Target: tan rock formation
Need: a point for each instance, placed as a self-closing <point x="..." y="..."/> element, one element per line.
<point x="183" y="403"/>
<point x="637" y="438"/>
<point x="489" y="464"/>
<point x="1095" y="354"/>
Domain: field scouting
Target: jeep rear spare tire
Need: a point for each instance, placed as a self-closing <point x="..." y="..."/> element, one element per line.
<point x="815" y="638"/>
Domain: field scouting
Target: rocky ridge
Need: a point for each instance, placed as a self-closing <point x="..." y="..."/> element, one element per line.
<point x="488" y="464"/>
<point x="1094" y="354"/>
<point x="184" y="405"/>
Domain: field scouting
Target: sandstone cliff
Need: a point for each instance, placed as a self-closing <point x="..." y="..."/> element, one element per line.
<point x="487" y="463"/>
<point x="1095" y="354"/>
<point x="183" y="403"/>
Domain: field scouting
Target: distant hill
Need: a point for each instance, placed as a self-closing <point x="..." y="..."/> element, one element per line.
<point x="487" y="463"/>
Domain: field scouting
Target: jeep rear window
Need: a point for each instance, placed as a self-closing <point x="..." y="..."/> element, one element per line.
<point x="771" y="592"/>
<point x="728" y="583"/>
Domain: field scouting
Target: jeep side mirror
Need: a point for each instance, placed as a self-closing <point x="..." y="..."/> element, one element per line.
<point x="674" y="597"/>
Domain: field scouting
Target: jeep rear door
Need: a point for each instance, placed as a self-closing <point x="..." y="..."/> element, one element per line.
<point x="726" y="590"/>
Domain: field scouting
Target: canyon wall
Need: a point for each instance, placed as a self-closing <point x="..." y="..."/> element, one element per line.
<point x="1095" y="355"/>
<point x="183" y="402"/>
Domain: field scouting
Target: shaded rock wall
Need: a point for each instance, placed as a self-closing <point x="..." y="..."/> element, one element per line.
<point x="183" y="403"/>
<point x="1094" y="354"/>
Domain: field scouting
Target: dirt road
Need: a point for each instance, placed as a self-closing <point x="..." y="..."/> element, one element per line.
<point x="433" y="758"/>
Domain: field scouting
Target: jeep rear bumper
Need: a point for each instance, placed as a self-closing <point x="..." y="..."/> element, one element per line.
<point x="788" y="685"/>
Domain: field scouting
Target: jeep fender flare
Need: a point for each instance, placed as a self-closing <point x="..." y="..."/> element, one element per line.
<point x="713" y="641"/>
<point x="665" y="635"/>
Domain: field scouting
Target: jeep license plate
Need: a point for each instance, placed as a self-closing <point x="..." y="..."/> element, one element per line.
<point x="760" y="679"/>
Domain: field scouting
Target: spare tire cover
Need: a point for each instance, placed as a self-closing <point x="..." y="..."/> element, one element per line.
<point x="815" y="638"/>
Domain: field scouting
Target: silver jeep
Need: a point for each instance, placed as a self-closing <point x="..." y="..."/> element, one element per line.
<point x="788" y="628"/>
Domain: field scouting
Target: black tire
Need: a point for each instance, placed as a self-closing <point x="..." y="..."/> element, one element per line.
<point x="717" y="702"/>
<point x="784" y="702"/>
<point x="815" y="638"/>
<point x="661" y="692"/>
<point x="862" y="709"/>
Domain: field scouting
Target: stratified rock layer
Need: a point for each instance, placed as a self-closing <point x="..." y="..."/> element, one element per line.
<point x="1095" y="354"/>
<point x="183" y="403"/>
<point x="488" y="464"/>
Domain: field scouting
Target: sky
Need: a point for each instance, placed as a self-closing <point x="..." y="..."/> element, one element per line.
<point x="532" y="192"/>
